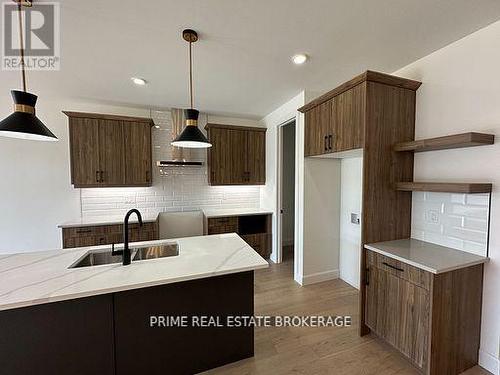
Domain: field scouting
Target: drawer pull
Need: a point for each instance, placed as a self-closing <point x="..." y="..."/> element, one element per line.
<point x="393" y="267"/>
<point x="79" y="231"/>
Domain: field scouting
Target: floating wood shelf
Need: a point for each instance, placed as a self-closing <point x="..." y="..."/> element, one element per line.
<point x="447" y="142"/>
<point x="444" y="187"/>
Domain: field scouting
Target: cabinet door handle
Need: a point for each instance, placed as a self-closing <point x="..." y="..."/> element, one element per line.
<point x="367" y="279"/>
<point x="147" y="176"/>
<point x="330" y="141"/>
<point x="80" y="231"/>
<point x="102" y="176"/>
<point x="326" y="143"/>
<point x="97" y="176"/>
<point x="393" y="267"/>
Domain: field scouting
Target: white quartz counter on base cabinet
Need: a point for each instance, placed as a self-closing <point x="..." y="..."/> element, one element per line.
<point x="425" y="255"/>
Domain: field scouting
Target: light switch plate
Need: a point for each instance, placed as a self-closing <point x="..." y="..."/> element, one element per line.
<point x="355" y="218"/>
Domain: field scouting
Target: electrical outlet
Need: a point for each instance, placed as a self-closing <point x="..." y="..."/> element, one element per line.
<point x="355" y="218"/>
<point x="432" y="216"/>
<point x="130" y="200"/>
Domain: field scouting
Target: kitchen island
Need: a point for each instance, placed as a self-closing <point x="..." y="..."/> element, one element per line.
<point x="98" y="319"/>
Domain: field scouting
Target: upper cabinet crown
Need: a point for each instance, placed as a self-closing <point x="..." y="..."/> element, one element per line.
<point x="237" y="155"/>
<point x="336" y="121"/>
<point x="109" y="150"/>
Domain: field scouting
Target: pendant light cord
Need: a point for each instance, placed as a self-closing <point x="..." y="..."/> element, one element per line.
<point x="21" y="44"/>
<point x="191" y="73"/>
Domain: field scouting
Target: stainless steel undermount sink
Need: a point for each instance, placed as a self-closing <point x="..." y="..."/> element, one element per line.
<point x="153" y="252"/>
<point x="97" y="258"/>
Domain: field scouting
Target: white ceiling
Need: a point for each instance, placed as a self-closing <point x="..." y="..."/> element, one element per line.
<point x="242" y="61"/>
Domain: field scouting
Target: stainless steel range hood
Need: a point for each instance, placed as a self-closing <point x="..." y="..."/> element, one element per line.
<point x="178" y="163"/>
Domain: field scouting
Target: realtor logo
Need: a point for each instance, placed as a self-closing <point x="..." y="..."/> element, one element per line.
<point x="41" y="36"/>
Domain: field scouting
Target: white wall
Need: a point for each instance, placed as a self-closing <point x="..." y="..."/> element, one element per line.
<point x="35" y="185"/>
<point x="350" y="234"/>
<point x="321" y="219"/>
<point x="461" y="92"/>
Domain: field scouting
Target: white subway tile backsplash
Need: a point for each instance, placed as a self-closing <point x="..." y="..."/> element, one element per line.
<point x="174" y="188"/>
<point x="460" y="221"/>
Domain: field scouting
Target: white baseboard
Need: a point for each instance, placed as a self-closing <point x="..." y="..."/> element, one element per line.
<point x="489" y="362"/>
<point x="319" y="277"/>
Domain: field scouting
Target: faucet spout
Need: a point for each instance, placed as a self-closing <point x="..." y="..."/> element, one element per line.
<point x="126" y="250"/>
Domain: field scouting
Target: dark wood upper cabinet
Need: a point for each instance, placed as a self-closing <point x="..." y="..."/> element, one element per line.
<point x="319" y="131"/>
<point x="138" y="153"/>
<point x="83" y="138"/>
<point x="348" y="118"/>
<point x="337" y="124"/>
<point x="256" y="157"/>
<point x="237" y="155"/>
<point x="109" y="150"/>
<point x="111" y="153"/>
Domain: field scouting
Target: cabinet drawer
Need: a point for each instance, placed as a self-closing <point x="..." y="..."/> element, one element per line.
<point x="223" y="225"/>
<point x="108" y="234"/>
<point x="400" y="269"/>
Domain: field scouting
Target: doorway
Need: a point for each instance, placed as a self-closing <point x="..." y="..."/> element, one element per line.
<point x="287" y="191"/>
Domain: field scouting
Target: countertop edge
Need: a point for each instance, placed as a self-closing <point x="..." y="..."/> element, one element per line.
<point x="69" y="297"/>
<point x="206" y="213"/>
<point x="103" y="222"/>
<point x="227" y="214"/>
<point x="423" y="266"/>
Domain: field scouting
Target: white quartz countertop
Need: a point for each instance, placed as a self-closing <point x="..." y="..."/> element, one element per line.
<point x="425" y="255"/>
<point x="40" y="277"/>
<point x="235" y="212"/>
<point x="104" y="220"/>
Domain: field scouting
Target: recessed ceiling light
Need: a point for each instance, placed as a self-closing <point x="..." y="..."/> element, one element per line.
<point x="138" y="81"/>
<point x="299" y="59"/>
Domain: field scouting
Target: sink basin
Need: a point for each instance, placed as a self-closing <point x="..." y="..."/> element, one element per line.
<point x="153" y="252"/>
<point x="97" y="258"/>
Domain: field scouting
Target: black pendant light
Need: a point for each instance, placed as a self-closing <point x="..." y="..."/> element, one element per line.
<point x="23" y="123"/>
<point x="191" y="136"/>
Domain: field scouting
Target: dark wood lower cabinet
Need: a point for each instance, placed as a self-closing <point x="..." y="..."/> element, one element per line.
<point x="433" y="319"/>
<point x="256" y="230"/>
<point x="111" y="334"/>
<point x="141" y="349"/>
<point x="108" y="234"/>
<point x="70" y="337"/>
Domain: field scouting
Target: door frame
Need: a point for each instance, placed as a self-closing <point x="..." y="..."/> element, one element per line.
<point x="279" y="195"/>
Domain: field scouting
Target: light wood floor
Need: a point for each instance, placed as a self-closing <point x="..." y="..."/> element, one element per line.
<point x="314" y="351"/>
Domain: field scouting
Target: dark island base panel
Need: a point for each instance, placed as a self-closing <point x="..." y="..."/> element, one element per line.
<point x="110" y="334"/>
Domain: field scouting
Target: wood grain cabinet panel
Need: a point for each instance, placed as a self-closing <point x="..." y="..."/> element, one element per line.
<point x="256" y="162"/>
<point x="255" y="230"/>
<point x="109" y="150"/>
<point x="111" y="153"/>
<point x="348" y="117"/>
<point x="237" y="155"/>
<point x="108" y="234"/>
<point x="319" y="132"/>
<point x="398" y="311"/>
<point x="137" y="153"/>
<point x="337" y="124"/>
<point x="84" y="151"/>
<point x="441" y="337"/>
<point x="236" y="143"/>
